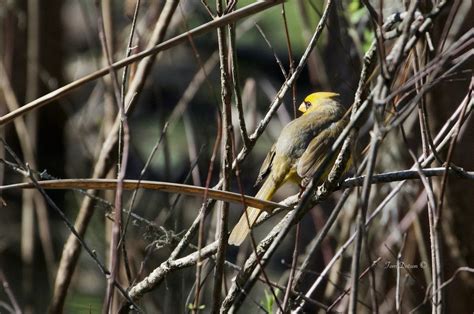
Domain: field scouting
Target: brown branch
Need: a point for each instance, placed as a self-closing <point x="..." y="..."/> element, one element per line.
<point x="199" y="221"/>
<point x="251" y="272"/>
<point x="111" y="184"/>
<point x="159" y="273"/>
<point x="441" y="140"/>
<point x="385" y="79"/>
<point x="202" y="29"/>
<point x="26" y="171"/>
<point x="72" y="248"/>
<point x="123" y="149"/>
<point x="28" y="150"/>
<point x="225" y="162"/>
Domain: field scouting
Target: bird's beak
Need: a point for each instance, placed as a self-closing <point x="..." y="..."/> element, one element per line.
<point x="302" y="107"/>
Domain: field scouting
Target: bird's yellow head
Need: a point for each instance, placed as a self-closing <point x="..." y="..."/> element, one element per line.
<point x="312" y="101"/>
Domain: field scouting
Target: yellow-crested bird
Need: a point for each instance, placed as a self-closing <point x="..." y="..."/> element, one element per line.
<point x="297" y="154"/>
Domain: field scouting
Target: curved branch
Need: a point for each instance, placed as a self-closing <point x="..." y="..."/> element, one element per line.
<point x="111" y="184"/>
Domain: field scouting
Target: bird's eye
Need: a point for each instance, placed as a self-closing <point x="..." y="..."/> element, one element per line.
<point x="307" y="104"/>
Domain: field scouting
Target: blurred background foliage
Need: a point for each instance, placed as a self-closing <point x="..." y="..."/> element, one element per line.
<point x="68" y="134"/>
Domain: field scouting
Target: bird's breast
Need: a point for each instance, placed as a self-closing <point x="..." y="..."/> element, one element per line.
<point x="295" y="137"/>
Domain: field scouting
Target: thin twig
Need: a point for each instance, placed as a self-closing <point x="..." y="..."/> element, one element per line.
<point x="444" y="133"/>
<point x="234" y="68"/>
<point x="292" y="269"/>
<point x="393" y="60"/>
<point x="243" y="278"/>
<point x="9" y="293"/>
<point x="200" y="222"/>
<point x="24" y="170"/>
<point x="123" y="149"/>
<point x="72" y="248"/>
<point x="290" y="56"/>
<point x="226" y="160"/>
<point x="346" y="291"/>
<point x="202" y="29"/>
<point x="278" y="61"/>
<point x="27" y="149"/>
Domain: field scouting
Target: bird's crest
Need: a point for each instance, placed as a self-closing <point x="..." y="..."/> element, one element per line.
<point x="314" y="99"/>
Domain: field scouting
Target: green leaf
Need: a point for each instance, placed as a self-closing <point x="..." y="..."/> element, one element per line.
<point x="192" y="307"/>
<point x="269" y="300"/>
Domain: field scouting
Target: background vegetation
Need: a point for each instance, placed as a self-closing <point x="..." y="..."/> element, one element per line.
<point x="210" y="82"/>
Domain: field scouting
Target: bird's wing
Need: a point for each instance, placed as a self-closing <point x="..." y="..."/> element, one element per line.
<point x="266" y="165"/>
<point x="314" y="154"/>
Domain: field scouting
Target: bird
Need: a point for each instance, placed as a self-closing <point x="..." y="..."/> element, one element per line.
<point x="297" y="153"/>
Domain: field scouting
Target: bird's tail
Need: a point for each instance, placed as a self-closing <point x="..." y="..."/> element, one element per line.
<point x="251" y="214"/>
